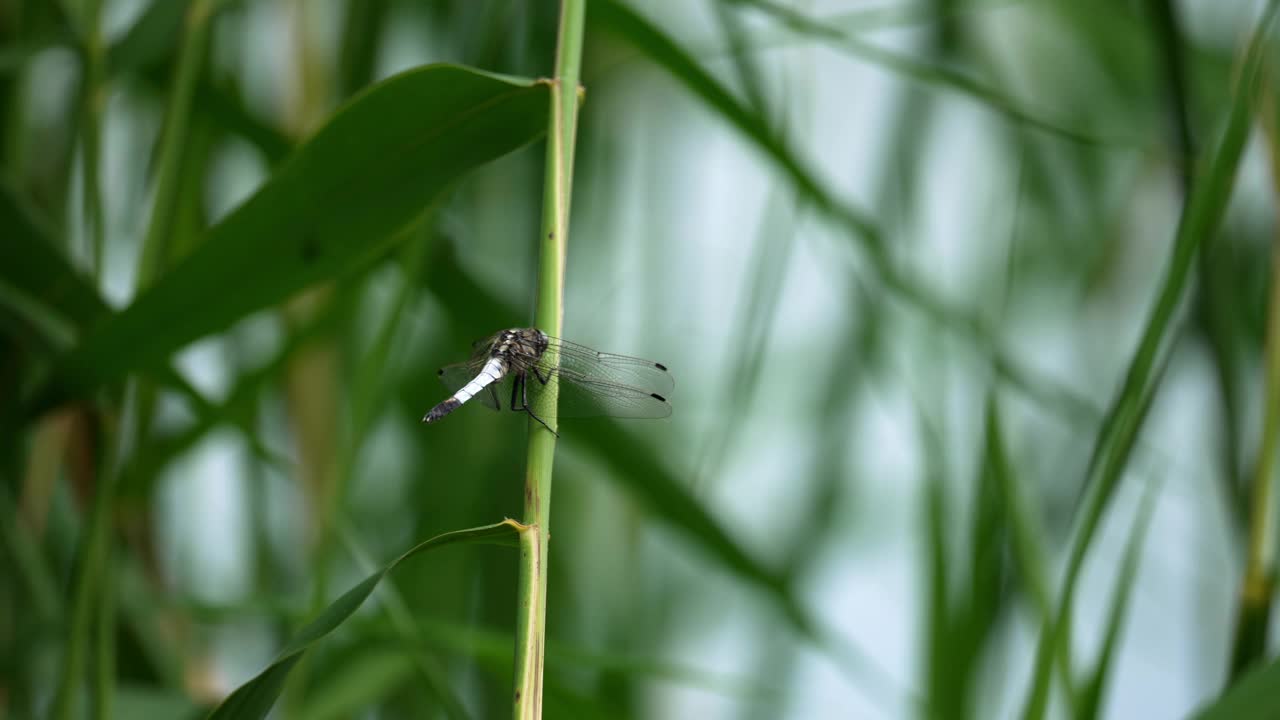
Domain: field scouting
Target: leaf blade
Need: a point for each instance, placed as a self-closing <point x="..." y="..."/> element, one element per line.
<point x="255" y="698"/>
<point x="337" y="203"/>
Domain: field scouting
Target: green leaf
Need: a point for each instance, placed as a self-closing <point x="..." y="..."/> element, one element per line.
<point x="625" y="23"/>
<point x="134" y="701"/>
<point x="986" y="596"/>
<point x="44" y="299"/>
<point x="1094" y="689"/>
<point x="365" y="675"/>
<point x="1255" y="697"/>
<point x="650" y="481"/>
<point x="962" y="612"/>
<point x="1025" y="539"/>
<point x="928" y="73"/>
<point x="152" y="39"/>
<point x="148" y="51"/>
<point x="336" y="204"/>
<point x="38" y="286"/>
<point x="940" y="674"/>
<point x="1201" y="216"/>
<point x="255" y="698"/>
<point x="622" y="21"/>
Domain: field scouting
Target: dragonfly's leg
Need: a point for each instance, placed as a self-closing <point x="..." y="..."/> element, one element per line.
<point x="524" y="390"/>
<point x="538" y="375"/>
<point x="516" y="385"/>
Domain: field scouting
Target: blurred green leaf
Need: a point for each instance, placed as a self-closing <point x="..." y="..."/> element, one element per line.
<point x="962" y="612"/>
<point x="1254" y="697"/>
<point x="939" y="654"/>
<point x="150" y="40"/>
<point x="986" y="596"/>
<point x="627" y="24"/>
<point x="148" y="50"/>
<point x="336" y="204"/>
<point x="1200" y="219"/>
<point x="362" y="31"/>
<point x="924" y="72"/>
<point x="176" y="160"/>
<point x="43" y="296"/>
<point x="1201" y="216"/>
<point x="491" y="647"/>
<point x="255" y="698"/>
<point x="364" y="675"/>
<point x="651" y="482"/>
<point x="1256" y="595"/>
<point x="634" y="29"/>
<point x="37" y="283"/>
<point x="1026" y="540"/>
<point x="146" y="702"/>
<point x="1094" y="690"/>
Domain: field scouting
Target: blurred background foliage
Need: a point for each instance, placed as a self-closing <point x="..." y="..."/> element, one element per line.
<point x="967" y="301"/>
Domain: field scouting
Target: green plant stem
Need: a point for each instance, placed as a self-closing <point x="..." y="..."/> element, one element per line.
<point x="549" y="317"/>
<point x="98" y="572"/>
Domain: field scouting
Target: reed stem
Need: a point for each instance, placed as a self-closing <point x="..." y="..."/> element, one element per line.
<point x="548" y="317"/>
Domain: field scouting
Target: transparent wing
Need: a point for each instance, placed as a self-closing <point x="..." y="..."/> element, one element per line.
<point x="458" y="374"/>
<point x="588" y="365"/>
<point x="591" y="383"/>
<point x="585" y="397"/>
<point x="480" y="348"/>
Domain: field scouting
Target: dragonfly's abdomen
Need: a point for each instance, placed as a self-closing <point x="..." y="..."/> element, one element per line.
<point x="491" y="373"/>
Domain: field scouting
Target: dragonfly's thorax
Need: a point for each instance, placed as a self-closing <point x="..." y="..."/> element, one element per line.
<point x="520" y="348"/>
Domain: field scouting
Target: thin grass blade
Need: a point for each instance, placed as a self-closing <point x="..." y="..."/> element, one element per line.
<point x="1093" y="692"/>
<point x="1200" y="219"/>
<point x="255" y="698"/>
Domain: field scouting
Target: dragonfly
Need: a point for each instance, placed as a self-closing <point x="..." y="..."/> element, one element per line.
<point x="587" y="382"/>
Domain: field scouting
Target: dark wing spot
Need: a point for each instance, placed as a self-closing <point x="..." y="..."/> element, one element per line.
<point x="657" y="396"/>
<point x="660" y="366"/>
<point x="440" y="372"/>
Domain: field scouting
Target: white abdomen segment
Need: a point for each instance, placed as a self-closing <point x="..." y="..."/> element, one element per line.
<point x="491" y="373"/>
